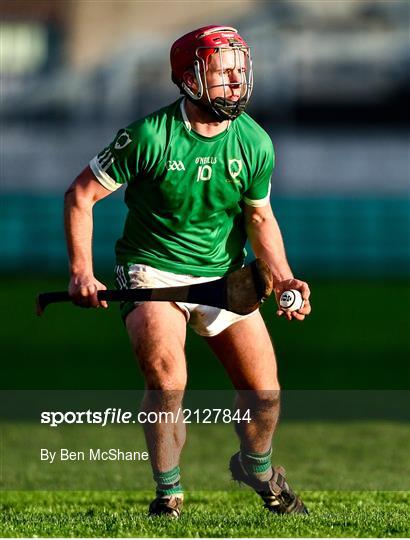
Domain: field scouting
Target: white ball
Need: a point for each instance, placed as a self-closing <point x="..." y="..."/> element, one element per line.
<point x="291" y="300"/>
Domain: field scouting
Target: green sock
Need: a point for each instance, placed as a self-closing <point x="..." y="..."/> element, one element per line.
<point x="168" y="482"/>
<point x="257" y="465"/>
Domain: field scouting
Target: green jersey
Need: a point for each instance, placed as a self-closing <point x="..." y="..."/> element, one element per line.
<point x="185" y="192"/>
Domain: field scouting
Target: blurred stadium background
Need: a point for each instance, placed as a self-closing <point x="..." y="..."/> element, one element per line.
<point x="332" y="87"/>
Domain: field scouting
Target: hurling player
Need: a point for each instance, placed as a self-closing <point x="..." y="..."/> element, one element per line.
<point x="197" y="175"/>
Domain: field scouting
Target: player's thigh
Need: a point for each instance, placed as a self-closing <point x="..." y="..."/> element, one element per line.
<point x="157" y="332"/>
<point x="246" y="351"/>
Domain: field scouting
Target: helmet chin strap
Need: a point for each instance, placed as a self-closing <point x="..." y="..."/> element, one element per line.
<point x="226" y="109"/>
<point x="219" y="109"/>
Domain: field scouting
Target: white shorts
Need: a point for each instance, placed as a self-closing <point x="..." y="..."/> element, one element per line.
<point x="204" y="320"/>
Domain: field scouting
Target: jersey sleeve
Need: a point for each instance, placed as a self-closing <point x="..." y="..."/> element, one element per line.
<point x="258" y="193"/>
<point x="133" y="152"/>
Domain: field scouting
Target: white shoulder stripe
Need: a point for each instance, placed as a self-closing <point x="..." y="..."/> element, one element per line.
<point x="105" y="158"/>
<point x="102" y="155"/>
<point x="104" y="178"/>
<point x="108" y="164"/>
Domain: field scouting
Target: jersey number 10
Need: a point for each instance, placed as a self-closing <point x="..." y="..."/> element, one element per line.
<point x="204" y="173"/>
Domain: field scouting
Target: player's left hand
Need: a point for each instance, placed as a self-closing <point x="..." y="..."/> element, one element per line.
<point x="304" y="290"/>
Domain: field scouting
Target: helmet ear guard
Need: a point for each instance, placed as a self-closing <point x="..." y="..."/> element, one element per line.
<point x="195" y="96"/>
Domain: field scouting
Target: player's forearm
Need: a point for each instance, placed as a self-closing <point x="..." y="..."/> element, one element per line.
<point x="78" y="221"/>
<point x="267" y="243"/>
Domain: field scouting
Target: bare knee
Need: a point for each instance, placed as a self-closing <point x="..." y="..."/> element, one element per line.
<point x="165" y="381"/>
<point x="164" y="372"/>
<point x="163" y="366"/>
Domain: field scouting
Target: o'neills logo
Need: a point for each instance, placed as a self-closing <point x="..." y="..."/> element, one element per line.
<point x="208" y="160"/>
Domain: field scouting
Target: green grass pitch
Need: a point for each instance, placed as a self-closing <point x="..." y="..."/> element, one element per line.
<point x="207" y="514"/>
<point x="348" y="474"/>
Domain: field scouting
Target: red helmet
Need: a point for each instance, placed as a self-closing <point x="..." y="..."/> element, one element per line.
<point x="193" y="50"/>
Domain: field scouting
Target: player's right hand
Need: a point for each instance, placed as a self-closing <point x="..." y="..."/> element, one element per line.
<point x="83" y="290"/>
<point x="303" y="288"/>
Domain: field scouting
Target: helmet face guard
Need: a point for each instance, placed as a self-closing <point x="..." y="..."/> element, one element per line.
<point x="223" y="107"/>
<point x="208" y="42"/>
